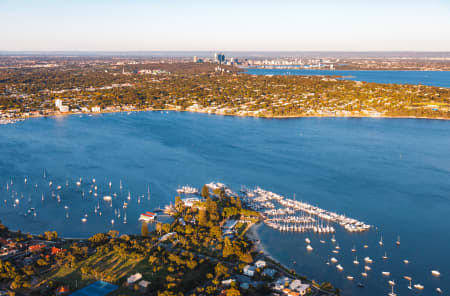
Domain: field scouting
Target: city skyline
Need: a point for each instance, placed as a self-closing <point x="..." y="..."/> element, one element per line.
<point x="232" y="26"/>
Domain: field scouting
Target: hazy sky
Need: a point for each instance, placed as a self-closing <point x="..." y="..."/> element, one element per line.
<point x="351" y="25"/>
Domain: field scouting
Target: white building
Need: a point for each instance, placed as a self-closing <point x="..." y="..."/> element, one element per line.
<point x="260" y="264"/>
<point x="249" y="270"/>
<point x="134" y="278"/>
<point x="96" y="109"/>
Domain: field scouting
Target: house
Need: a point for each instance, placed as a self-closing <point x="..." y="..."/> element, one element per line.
<point x="143" y="285"/>
<point x="134" y="278"/>
<point x="249" y="270"/>
<point x="289" y="292"/>
<point x="295" y="284"/>
<point x="62" y="290"/>
<point x="228" y="282"/>
<point x="269" y="272"/>
<point x="96" y="109"/>
<point x="260" y="264"/>
<point x="36" y="248"/>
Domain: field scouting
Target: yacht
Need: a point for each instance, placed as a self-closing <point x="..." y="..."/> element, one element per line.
<point x="392" y="292"/>
<point x="83" y="220"/>
<point x="386" y="273"/>
<point x="391" y="283"/>
<point x="368" y="260"/>
<point x="406" y="261"/>
<point x="339" y="267"/>
<point x="333" y="260"/>
<point x="419" y="286"/>
<point x="367" y="268"/>
<point x="435" y="273"/>
<point x="350" y="278"/>
<point x="439" y="290"/>
<point x="356" y="262"/>
<point x="364" y="274"/>
<point x="307" y="240"/>
<point x="309" y="248"/>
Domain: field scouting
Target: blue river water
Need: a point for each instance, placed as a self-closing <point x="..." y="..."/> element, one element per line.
<point x="391" y="173"/>
<point x="433" y="78"/>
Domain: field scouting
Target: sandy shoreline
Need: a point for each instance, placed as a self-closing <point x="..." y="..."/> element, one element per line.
<point x="18" y="119"/>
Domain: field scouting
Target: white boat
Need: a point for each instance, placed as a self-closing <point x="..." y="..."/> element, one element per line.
<point x="435" y="273"/>
<point x="333" y="239"/>
<point x="107" y="198"/>
<point x="59" y="187"/>
<point x="367" y="268"/>
<point x="364" y="274"/>
<point x="322" y="241"/>
<point x="353" y="249"/>
<point x="368" y="260"/>
<point x="335" y="251"/>
<point x="339" y="267"/>
<point x="78" y="183"/>
<point x="398" y="241"/>
<point x="366" y="246"/>
<point x="392" y="292"/>
<point x="419" y="286"/>
<point x="333" y="260"/>
<point x="110" y="184"/>
<point x="309" y="248"/>
<point x="406" y="261"/>
<point x="356" y="262"/>
<point x="381" y="241"/>
<point x="307" y="240"/>
<point x="385" y="256"/>
<point x="385" y="273"/>
<point x="439" y="290"/>
<point x="350" y="278"/>
<point x="83" y="220"/>
<point x="391" y="283"/>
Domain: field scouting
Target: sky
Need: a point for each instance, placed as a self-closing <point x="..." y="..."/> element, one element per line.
<point x="228" y="25"/>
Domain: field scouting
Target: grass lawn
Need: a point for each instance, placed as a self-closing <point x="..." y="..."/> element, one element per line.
<point x="112" y="264"/>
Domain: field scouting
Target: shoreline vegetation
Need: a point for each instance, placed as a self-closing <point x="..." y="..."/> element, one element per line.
<point x="11" y="121"/>
<point x="205" y="250"/>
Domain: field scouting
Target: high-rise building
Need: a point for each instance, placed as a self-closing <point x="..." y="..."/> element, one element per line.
<point x="219" y="57"/>
<point x="195" y="59"/>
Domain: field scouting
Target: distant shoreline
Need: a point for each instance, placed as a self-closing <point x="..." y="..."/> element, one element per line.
<point x="234" y="115"/>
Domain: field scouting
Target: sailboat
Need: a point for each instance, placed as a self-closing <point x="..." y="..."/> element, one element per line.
<point x="385" y="256"/>
<point x="392" y="291"/>
<point x="125" y="219"/>
<point x="381" y="241"/>
<point x="148" y="192"/>
<point x="356" y="262"/>
<point x="120" y="186"/>
<point x="398" y="241"/>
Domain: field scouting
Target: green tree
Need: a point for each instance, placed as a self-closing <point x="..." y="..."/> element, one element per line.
<point x="202" y="219"/>
<point x="205" y="191"/>
<point x="144" y="229"/>
<point x="227" y="248"/>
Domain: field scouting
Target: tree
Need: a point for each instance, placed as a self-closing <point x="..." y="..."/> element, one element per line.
<point x="179" y="204"/>
<point x="144" y="229"/>
<point x="205" y="191"/>
<point x="233" y="292"/>
<point x="227" y="248"/>
<point x="202" y="220"/>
